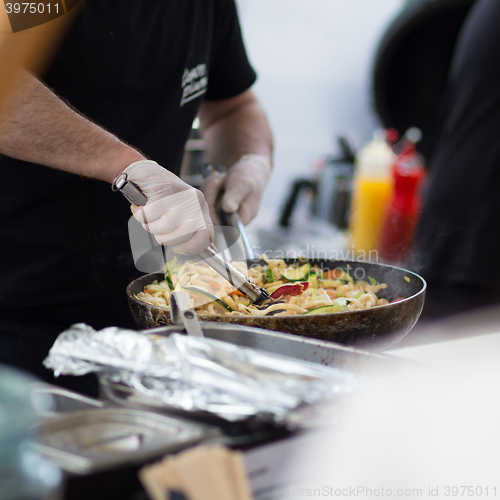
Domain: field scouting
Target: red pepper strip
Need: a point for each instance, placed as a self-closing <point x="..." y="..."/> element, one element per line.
<point x="292" y="290"/>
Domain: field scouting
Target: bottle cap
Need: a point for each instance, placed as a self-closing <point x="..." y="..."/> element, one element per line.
<point x="376" y="158"/>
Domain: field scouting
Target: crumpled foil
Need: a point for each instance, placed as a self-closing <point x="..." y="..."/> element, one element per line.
<point x="197" y="374"/>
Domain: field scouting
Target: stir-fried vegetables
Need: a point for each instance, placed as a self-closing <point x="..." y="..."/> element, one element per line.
<point x="298" y="289"/>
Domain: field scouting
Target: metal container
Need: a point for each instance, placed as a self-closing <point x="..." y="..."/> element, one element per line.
<point x="88" y="441"/>
<point x="338" y="205"/>
<point x="333" y="191"/>
<point x="51" y="400"/>
<point x="349" y="359"/>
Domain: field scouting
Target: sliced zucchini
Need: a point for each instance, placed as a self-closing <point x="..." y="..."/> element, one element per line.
<point x="328" y="283"/>
<point x="299" y="274"/>
<point x="153" y="287"/>
<point x="332" y="308"/>
<point x="345" y="276"/>
<point x="313" y="281"/>
<point x="317" y="272"/>
<point x="338" y="274"/>
<point x="206" y="297"/>
<point x="168" y="268"/>
<point x="270" y="276"/>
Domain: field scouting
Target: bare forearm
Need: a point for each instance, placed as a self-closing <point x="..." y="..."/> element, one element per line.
<point x="40" y="128"/>
<point x="237" y="132"/>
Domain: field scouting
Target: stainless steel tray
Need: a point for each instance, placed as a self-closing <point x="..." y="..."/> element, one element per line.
<point x="349" y="359"/>
<point x="308" y="349"/>
<point x="87" y="441"/>
<point x="51" y="400"/>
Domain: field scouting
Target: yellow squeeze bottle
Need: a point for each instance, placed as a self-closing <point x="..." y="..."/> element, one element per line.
<point x="372" y="188"/>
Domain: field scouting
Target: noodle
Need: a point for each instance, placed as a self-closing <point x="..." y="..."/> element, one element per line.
<point x="210" y="293"/>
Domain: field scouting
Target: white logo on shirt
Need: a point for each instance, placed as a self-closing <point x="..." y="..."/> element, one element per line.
<point x="194" y="83"/>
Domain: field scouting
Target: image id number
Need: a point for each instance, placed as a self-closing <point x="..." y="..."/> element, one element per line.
<point x="32" y="8"/>
<point x="470" y="491"/>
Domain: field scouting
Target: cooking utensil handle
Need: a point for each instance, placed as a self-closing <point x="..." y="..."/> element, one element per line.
<point x="234" y="220"/>
<point x="182" y="314"/>
<point x="130" y="190"/>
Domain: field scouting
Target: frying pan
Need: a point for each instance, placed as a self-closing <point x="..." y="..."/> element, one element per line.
<point x="376" y="329"/>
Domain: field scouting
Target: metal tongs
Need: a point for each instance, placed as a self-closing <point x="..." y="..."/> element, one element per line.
<point x="182" y="315"/>
<point x="210" y="255"/>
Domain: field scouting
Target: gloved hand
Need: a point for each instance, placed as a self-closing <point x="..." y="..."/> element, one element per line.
<point x="244" y="185"/>
<point x="176" y="213"/>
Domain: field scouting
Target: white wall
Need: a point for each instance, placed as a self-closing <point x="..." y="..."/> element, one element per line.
<point x="314" y="61"/>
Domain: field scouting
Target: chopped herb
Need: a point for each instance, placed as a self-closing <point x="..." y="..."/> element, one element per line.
<point x="372" y="281"/>
<point x="407" y="279"/>
<point x="345" y="302"/>
<point x="169" y="281"/>
<point x="268" y="275"/>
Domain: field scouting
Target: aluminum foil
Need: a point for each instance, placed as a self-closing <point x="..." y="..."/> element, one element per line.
<point x="198" y="374"/>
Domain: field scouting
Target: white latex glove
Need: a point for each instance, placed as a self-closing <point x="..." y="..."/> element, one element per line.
<point x="176" y="213"/>
<point x="211" y="187"/>
<point x="244" y="186"/>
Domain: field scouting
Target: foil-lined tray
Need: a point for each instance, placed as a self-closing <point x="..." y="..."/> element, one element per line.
<point x="362" y="365"/>
<point x="199" y="375"/>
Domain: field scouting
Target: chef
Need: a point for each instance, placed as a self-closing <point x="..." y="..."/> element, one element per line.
<point x="120" y="96"/>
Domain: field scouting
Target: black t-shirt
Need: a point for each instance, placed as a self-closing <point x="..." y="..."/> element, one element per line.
<point x="140" y="69"/>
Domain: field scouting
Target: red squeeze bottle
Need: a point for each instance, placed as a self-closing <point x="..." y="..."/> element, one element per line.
<point x="403" y="211"/>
